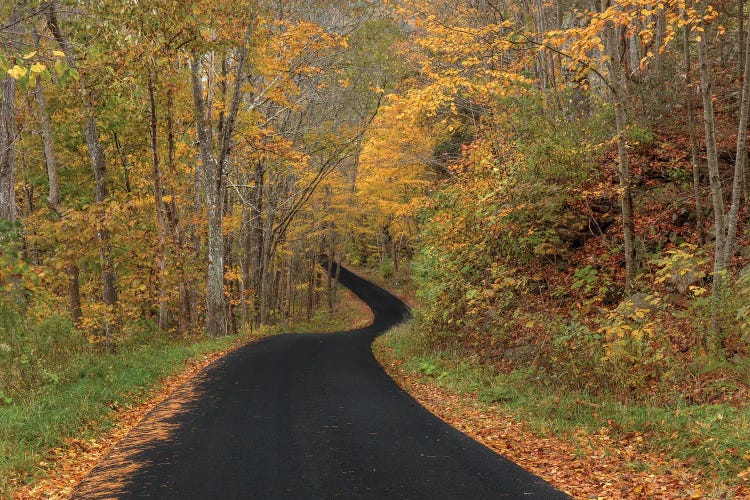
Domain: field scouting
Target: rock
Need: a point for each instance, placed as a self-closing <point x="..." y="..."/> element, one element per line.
<point x="637" y="301"/>
<point x="604" y="205"/>
<point x="572" y="228"/>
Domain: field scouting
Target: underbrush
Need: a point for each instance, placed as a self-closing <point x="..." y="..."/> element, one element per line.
<point x="712" y="438"/>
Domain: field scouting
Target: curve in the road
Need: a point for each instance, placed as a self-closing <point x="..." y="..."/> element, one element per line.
<point x="305" y="417"/>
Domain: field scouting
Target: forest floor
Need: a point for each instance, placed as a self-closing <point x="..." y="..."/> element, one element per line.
<point x="56" y="471"/>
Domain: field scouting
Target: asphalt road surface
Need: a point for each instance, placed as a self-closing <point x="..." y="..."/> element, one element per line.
<point x="305" y="416"/>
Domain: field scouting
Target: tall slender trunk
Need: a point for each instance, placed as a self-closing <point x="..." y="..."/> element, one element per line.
<point x="213" y="186"/>
<point x="740" y="164"/>
<point x="74" y="293"/>
<point x="329" y="277"/>
<point x="53" y="197"/>
<point x="109" y="278"/>
<point x="712" y="158"/>
<point x="618" y="90"/>
<point x="741" y="43"/>
<point x="256" y="238"/>
<point x="8" y="126"/>
<point x="336" y="276"/>
<point x="311" y="285"/>
<point x="163" y="306"/>
<point x="266" y="275"/>
<point x="694" y="161"/>
<point x="8" y="150"/>
<point x="184" y="317"/>
<point x="288" y="309"/>
<point x="214" y="156"/>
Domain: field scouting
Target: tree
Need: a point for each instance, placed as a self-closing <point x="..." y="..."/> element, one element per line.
<point x="99" y="168"/>
<point x="8" y="134"/>
<point x="215" y="159"/>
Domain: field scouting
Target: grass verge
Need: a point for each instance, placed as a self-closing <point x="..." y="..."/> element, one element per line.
<point x="623" y="451"/>
<point x="39" y="422"/>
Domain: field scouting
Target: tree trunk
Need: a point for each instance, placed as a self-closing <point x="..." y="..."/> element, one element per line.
<point x="8" y="134"/>
<point x="109" y="278"/>
<point x="214" y="177"/>
<point x="336" y="276"/>
<point x="53" y="198"/>
<point x="74" y="293"/>
<point x="740" y="164"/>
<point x="256" y="238"/>
<point x="741" y="43"/>
<point x="163" y="319"/>
<point x="694" y="161"/>
<point x="329" y="277"/>
<point x="618" y="90"/>
<point x="712" y="157"/>
<point x="311" y="286"/>
<point x="213" y="186"/>
<point x="8" y="130"/>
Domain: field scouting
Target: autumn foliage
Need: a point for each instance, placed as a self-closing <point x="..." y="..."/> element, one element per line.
<point x="567" y="179"/>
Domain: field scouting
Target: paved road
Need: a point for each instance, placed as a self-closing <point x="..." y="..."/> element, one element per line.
<point x="306" y="417"/>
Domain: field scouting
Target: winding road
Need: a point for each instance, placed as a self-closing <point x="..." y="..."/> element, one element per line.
<point x="305" y="417"/>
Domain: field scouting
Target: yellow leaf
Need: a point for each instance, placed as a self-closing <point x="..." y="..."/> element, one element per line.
<point x="58" y="53"/>
<point x="38" y="68"/>
<point x="30" y="54"/>
<point x="17" y="72"/>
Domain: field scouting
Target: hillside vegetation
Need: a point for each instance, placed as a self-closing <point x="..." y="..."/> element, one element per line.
<point x="566" y="183"/>
<point x="583" y="235"/>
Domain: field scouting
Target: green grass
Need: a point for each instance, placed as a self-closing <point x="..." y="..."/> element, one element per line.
<point x="712" y="438"/>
